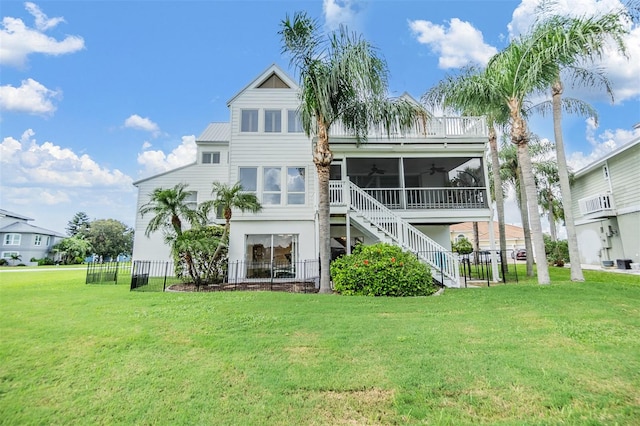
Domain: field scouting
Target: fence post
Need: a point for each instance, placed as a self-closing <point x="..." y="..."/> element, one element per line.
<point x="166" y="272"/>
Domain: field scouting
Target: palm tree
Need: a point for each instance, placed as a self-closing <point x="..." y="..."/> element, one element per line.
<point x="170" y="206"/>
<point x="567" y="43"/>
<point x="341" y="79"/>
<point x="548" y="183"/>
<point x="519" y="71"/>
<point x="228" y="198"/>
<point x="471" y="92"/>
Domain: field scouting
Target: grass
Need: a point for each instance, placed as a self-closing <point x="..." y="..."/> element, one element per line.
<point x="72" y="353"/>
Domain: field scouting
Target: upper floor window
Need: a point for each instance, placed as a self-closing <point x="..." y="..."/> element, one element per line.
<point x="12" y="239"/>
<point x="248" y="177"/>
<point x="295" y="185"/>
<point x="272" y="185"/>
<point x="210" y="158"/>
<point x="605" y="172"/>
<point x="47" y="240"/>
<point x="272" y="120"/>
<point x="37" y="240"/>
<point x="249" y="120"/>
<point x="294" y="125"/>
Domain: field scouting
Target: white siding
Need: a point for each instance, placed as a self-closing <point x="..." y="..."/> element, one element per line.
<point x="199" y="177"/>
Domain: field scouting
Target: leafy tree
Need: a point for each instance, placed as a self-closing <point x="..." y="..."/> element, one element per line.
<point x="110" y="238"/>
<point x="341" y="79"/>
<point x="462" y="246"/>
<point x="78" y="225"/>
<point x="73" y="248"/>
<point x="381" y="270"/>
<point x="208" y="261"/>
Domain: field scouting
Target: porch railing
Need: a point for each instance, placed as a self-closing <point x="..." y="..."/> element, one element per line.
<point x="419" y="198"/>
<point x="397" y="229"/>
<point x="596" y="204"/>
<point x="434" y="127"/>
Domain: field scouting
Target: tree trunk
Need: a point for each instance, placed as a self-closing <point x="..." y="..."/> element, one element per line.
<point x="322" y="158"/>
<point x="565" y="188"/>
<point x="519" y="135"/>
<point x="526" y="228"/>
<point x="552" y="224"/>
<point x="498" y="195"/>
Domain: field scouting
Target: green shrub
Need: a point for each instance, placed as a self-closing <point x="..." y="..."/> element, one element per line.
<point x="3" y="262"/>
<point x="44" y="261"/>
<point x="462" y="246"/>
<point x="381" y="270"/>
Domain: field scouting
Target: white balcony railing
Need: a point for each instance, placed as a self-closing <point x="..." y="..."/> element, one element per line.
<point x="434" y="127"/>
<point x="419" y="198"/>
<point x="600" y="203"/>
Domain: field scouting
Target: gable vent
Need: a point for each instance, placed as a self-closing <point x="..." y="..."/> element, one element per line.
<point x="273" y="82"/>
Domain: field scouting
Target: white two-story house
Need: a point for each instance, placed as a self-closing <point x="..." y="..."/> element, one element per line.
<point x="402" y="188"/>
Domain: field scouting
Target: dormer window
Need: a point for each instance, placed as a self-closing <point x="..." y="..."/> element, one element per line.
<point x="249" y="120"/>
<point x="272" y="120"/>
<point x="210" y="158"/>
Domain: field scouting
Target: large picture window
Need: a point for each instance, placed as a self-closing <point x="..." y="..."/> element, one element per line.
<point x="271" y="255"/>
<point x="249" y="120"/>
<point x="273" y="121"/>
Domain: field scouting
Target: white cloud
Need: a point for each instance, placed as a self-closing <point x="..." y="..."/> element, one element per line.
<point x="51" y="183"/>
<point x="140" y="123"/>
<point x="157" y="162"/>
<point x="458" y="45"/>
<point x="622" y="71"/>
<point x="31" y="97"/>
<point x="17" y="40"/>
<point x="601" y="144"/>
<point x="339" y="12"/>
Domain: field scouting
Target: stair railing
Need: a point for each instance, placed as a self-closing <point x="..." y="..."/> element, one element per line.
<point x="403" y="233"/>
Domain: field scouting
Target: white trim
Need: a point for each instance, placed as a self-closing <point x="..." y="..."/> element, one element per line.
<point x="630" y="209"/>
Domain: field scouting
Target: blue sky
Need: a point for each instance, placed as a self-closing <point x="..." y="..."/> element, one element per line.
<point x="96" y="95"/>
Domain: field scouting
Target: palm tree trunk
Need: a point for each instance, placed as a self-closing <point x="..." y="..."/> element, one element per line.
<point x="476" y="242"/>
<point x="565" y="188"/>
<point x="552" y="224"/>
<point x="498" y="195"/>
<point x="519" y="135"/>
<point x="526" y="228"/>
<point x="322" y="158"/>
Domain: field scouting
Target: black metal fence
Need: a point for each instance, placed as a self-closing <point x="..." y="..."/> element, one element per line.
<point x="108" y="272"/>
<point x="300" y="277"/>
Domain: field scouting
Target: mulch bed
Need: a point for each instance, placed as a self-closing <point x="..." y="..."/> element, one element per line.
<point x="291" y="287"/>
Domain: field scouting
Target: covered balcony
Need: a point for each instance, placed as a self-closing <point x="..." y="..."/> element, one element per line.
<point x="414" y="183"/>
<point x="599" y="205"/>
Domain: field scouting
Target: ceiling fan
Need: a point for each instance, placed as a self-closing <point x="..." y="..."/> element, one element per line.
<point x="375" y="170"/>
<point x="435" y="169"/>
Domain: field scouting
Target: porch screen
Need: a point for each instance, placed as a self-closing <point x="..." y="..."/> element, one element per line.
<point x="271" y="255"/>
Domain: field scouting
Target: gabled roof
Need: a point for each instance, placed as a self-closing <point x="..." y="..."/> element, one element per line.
<point x="265" y="75"/>
<point x="216" y="132"/>
<point x="7" y="213"/>
<point x="610" y="155"/>
<point x="25" y="228"/>
<point x="163" y="173"/>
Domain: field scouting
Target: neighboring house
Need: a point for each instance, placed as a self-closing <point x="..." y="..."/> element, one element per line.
<point x="514" y="235"/>
<point x="405" y="189"/>
<point x="19" y="237"/>
<point x="606" y="206"/>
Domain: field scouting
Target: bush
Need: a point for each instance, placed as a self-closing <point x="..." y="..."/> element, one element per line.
<point x="3" y="262"/>
<point x="462" y="246"/>
<point x="45" y="261"/>
<point x="557" y="251"/>
<point x="381" y="270"/>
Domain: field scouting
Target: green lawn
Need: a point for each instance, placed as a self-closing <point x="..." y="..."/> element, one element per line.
<point x="72" y="353"/>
